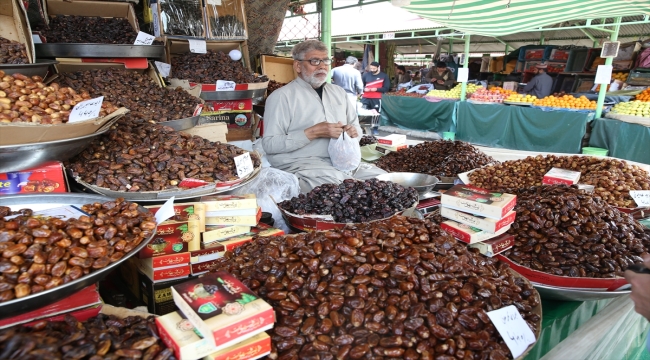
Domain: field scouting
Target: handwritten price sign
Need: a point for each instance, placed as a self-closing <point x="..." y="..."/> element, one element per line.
<point x="86" y="110"/>
<point x="641" y="197"/>
<point x="223" y="85"/>
<point x="163" y="68"/>
<point x="197" y="46"/>
<point x="144" y="39"/>
<point x="244" y="164"/>
<point x="513" y="329"/>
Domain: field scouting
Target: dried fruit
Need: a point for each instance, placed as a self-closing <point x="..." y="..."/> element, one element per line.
<point x="212" y="66"/>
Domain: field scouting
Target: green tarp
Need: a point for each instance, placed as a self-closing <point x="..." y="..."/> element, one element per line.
<point x="515" y="127"/>
<point x="417" y="114"/>
<point x="619" y="138"/>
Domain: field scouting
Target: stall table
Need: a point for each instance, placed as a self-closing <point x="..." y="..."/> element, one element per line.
<point x="623" y="140"/>
<point x="417" y="113"/>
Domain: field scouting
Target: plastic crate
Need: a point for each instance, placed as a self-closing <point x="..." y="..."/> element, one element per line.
<point x="530" y="65"/>
<point x="593" y="60"/>
<point x="638" y="78"/>
<point x="559" y="55"/>
<point x="576" y="61"/>
<point x="556" y="67"/>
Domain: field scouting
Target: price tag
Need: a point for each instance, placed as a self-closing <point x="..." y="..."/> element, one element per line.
<point x="163" y="68"/>
<point x="156" y="23"/>
<point x="86" y="110"/>
<point x="144" y="39"/>
<point x="641" y="197"/>
<point x="244" y="164"/>
<point x="513" y="329"/>
<point x="223" y="85"/>
<point x="197" y="46"/>
<point x="214" y="2"/>
<point x="603" y="74"/>
<point x="166" y="211"/>
<point x="463" y="75"/>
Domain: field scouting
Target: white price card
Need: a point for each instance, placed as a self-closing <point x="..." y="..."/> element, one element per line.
<point x="513" y="329"/>
<point x="144" y="39"/>
<point x="166" y="211"/>
<point x="641" y="197"/>
<point x="223" y="85"/>
<point x="463" y="75"/>
<point x="86" y="110"/>
<point x="36" y="39"/>
<point x="163" y="68"/>
<point x="244" y="164"/>
<point x="603" y="74"/>
<point x="155" y="20"/>
<point x="197" y="46"/>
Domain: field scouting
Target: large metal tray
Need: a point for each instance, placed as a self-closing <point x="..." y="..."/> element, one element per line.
<point x="232" y="95"/>
<point x="25" y="156"/>
<point x="45" y="201"/>
<point x="61" y="50"/>
<point x="182" y="124"/>
<point x="40" y="68"/>
<point x="161" y="196"/>
<point x="566" y="294"/>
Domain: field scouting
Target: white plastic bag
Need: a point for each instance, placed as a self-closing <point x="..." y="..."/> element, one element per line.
<point x="345" y="152"/>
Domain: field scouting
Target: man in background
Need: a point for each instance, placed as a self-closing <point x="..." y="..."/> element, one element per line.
<point x="349" y="78"/>
<point x="541" y="85"/>
<point x="403" y="77"/>
<point x="441" y="77"/>
<point x="375" y="84"/>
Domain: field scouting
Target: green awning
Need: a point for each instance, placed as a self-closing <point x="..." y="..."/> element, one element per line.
<point x="503" y="17"/>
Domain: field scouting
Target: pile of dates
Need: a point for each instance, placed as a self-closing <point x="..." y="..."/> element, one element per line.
<point x="134" y="157"/>
<point x="565" y="231"/>
<point x="27" y="99"/>
<point x="274" y="85"/>
<point x="212" y="66"/>
<point x="612" y="179"/>
<point x="12" y="52"/>
<point x="353" y="201"/>
<point x="437" y="158"/>
<point x="90" y="30"/>
<point x="135" y="91"/>
<point x="396" y="288"/>
<point x="40" y="253"/>
<point x="100" y="337"/>
<point x="367" y="140"/>
<point x="405" y="94"/>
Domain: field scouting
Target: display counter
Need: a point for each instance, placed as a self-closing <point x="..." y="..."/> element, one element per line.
<point x="617" y="136"/>
<point x="521" y="128"/>
<point x="417" y="114"/>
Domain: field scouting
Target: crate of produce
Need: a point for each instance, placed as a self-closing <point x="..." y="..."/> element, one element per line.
<point x="593" y="60"/>
<point x="559" y="55"/>
<point x="530" y="65"/>
<point x="639" y="78"/>
<point x="534" y="54"/>
<point x="576" y="61"/>
<point x="584" y="85"/>
<point x="627" y="51"/>
<point x="556" y="67"/>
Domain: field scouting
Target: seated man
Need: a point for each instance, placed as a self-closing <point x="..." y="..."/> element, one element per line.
<point x="301" y="117"/>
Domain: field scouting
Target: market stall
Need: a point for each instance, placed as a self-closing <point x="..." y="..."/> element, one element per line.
<point x="616" y="136"/>
<point x="418" y="114"/>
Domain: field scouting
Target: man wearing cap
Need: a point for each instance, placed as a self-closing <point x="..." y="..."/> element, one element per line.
<point x="349" y="79"/>
<point x="375" y="83"/>
<point x="441" y="77"/>
<point x="541" y="85"/>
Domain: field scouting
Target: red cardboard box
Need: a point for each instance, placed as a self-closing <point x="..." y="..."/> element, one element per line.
<point x="495" y="246"/>
<point x="478" y="201"/>
<point x="479" y="222"/>
<point x="47" y="178"/>
<point x="250" y="349"/>
<point x="469" y="234"/>
<point x="235" y="113"/>
<point x="185" y="212"/>
<point x="173" y="237"/>
<point x="561" y="176"/>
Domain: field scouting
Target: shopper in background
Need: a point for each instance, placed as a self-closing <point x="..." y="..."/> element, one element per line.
<point x="375" y="84"/>
<point x="641" y="292"/>
<point x="349" y="79"/>
<point x="541" y="85"/>
<point x="402" y="75"/>
<point x="415" y="78"/>
<point x="441" y="77"/>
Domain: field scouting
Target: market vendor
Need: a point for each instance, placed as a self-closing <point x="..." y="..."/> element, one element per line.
<point x="441" y="77"/>
<point x="301" y="117"/>
<point x="541" y="84"/>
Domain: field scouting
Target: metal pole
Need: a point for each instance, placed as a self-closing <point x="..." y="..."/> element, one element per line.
<point x="463" y="86"/>
<point x="608" y="61"/>
<point x="377" y="48"/>
<point x="326" y="27"/>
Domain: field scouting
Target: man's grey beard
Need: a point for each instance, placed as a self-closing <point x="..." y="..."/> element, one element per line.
<point x="313" y="81"/>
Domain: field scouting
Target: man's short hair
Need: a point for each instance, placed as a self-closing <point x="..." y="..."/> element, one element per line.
<point x="299" y="51"/>
<point x="351" y="60"/>
<point x="401" y="67"/>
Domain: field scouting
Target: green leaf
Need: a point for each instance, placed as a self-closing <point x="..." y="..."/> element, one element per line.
<point x="189" y="210"/>
<point x="182" y="228"/>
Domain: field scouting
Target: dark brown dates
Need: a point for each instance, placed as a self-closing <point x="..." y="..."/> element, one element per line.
<point x="12" y="52"/>
<point x="90" y="29"/>
<point x="210" y="67"/>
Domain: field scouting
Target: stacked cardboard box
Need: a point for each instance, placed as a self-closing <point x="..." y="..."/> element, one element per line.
<point x="393" y="142"/>
<point x="479" y="216"/>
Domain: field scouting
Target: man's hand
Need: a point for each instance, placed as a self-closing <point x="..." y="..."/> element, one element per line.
<point x="351" y="131"/>
<point x="640" y="289"/>
<point x="441" y="82"/>
<point x="324" y="130"/>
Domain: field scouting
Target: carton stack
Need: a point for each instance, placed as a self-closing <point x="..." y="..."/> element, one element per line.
<point x="479" y="217"/>
<point x="393" y="142"/>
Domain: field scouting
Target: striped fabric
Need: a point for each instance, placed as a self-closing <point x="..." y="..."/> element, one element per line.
<point x="503" y="17"/>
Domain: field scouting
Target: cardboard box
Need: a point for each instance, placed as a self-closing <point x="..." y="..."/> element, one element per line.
<point x="14" y="26"/>
<point x="469" y="234"/>
<point x="47" y="178"/>
<point x="478" y="201"/>
<point x="510" y="85"/>
<point x="173" y="237"/>
<point x="235" y="113"/>
<point x="223" y="309"/>
<point x="495" y="246"/>
<point x="428" y="205"/>
<point x="203" y="267"/>
<point x="180" y="335"/>
<point x="163" y="274"/>
<point x="94" y="8"/>
<point x="480" y="222"/>
<point x="220" y="232"/>
<point x="246" y="220"/>
<point x="561" y="176"/>
<point x="241" y="134"/>
<point x="175" y="47"/>
<point x="278" y="68"/>
<point x="166" y="261"/>
<point x="185" y="212"/>
<point x="259" y="230"/>
<point x="253" y="348"/>
<point x="188" y="12"/>
<point x="215" y="132"/>
<point x="392" y="140"/>
<point x="229" y="202"/>
<point x="211" y="252"/>
<point x="385" y="149"/>
<point x="158" y="295"/>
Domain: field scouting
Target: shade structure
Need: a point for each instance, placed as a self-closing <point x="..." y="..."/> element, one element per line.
<point x="503" y="17"/>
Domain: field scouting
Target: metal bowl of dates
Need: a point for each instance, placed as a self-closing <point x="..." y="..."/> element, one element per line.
<point x="423" y="183"/>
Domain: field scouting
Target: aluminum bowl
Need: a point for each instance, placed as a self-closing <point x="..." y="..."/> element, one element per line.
<point x="423" y="183"/>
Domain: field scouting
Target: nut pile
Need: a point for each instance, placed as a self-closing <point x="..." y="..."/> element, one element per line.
<point x="12" y="52"/>
<point x="353" y="200"/>
<point x="149" y="157"/>
<point x="100" y="337"/>
<point x="90" y="30"/>
<point x="41" y="253"/>
<point x="274" y="85"/>
<point x="437" y="158"/>
<point x="397" y="288"/>
<point x="212" y="66"/>
<point x="564" y="231"/>
<point x="134" y="91"/>
<point x="367" y="140"/>
<point x="25" y="99"/>
<point x="612" y="179"/>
